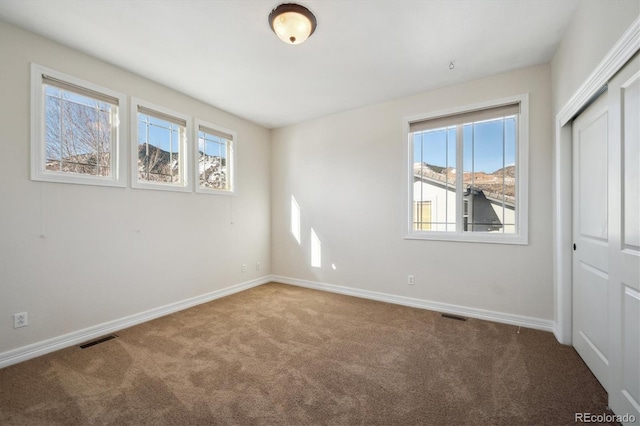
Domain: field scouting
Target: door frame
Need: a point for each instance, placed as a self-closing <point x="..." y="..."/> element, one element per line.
<point x="613" y="61"/>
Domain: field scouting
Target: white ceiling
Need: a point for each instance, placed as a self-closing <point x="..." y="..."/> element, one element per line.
<point x="363" y="51"/>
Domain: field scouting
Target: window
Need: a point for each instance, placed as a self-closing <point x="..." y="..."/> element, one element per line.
<point x="214" y="159"/>
<point x="468" y="173"/>
<point x="160" y="148"/>
<point x="76" y="132"/>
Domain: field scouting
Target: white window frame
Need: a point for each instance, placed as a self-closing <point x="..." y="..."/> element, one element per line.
<point x="231" y="159"/>
<point x="38" y="128"/>
<point x="185" y="176"/>
<point x="521" y="236"/>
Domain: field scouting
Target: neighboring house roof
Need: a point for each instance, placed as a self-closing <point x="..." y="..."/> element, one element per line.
<point x="432" y="177"/>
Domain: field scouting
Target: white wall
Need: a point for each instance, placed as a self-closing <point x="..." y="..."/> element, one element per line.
<point x="443" y="204"/>
<point x="345" y="171"/>
<point x="347" y="174"/>
<point x="93" y="266"/>
<point x="595" y="27"/>
<point x="509" y="217"/>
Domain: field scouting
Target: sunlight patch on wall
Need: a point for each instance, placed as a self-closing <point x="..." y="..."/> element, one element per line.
<point x="295" y="219"/>
<point x="316" y="250"/>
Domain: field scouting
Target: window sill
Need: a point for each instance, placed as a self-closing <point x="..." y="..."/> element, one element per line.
<point x="78" y="179"/>
<point x="476" y="237"/>
<point x="215" y="191"/>
<point x="161" y="187"/>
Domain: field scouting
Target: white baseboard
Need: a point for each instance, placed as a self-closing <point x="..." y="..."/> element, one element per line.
<point x="565" y="339"/>
<point x="24" y="353"/>
<point x="512" y="319"/>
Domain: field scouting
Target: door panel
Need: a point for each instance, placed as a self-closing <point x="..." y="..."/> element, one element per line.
<point x="593" y="290"/>
<point x="590" y="234"/>
<point x="593" y="176"/>
<point x="631" y="346"/>
<point x="624" y="241"/>
<point x="631" y="157"/>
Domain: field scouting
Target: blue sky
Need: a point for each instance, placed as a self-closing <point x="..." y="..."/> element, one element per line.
<point x="162" y="134"/>
<point x="211" y="145"/>
<point x="483" y="146"/>
<point x="166" y="136"/>
<point x="71" y="117"/>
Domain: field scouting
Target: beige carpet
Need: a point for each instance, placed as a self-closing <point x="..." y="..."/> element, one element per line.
<point x="278" y="354"/>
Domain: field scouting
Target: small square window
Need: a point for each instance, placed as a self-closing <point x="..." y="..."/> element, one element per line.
<point x="159" y="154"/>
<point x="214" y="159"/>
<point x="76" y="132"/>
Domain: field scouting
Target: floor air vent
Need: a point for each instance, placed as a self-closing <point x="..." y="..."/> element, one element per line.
<point x="455" y="317"/>
<point x="98" y="341"/>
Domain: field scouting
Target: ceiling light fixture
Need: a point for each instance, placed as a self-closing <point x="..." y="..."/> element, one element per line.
<point x="292" y="23"/>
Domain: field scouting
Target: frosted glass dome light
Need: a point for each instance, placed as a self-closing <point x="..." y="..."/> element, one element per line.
<point x="292" y="23"/>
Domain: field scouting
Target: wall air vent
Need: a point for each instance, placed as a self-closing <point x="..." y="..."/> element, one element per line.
<point x="98" y="341"/>
<point x="455" y="317"/>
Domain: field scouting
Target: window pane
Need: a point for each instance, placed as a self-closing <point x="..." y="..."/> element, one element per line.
<point x="213" y="153"/>
<point x="434" y="180"/>
<point x="159" y="150"/>
<point x="489" y="175"/>
<point x="78" y="133"/>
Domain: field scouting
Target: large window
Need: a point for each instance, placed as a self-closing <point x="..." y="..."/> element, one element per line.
<point x="159" y="153"/>
<point x="214" y="159"/>
<point x="76" y="132"/>
<point x="468" y="173"/>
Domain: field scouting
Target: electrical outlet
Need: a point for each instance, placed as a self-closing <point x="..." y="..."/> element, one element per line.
<point x="257" y="266"/>
<point x="410" y="280"/>
<point x="20" y="320"/>
<point x="244" y="267"/>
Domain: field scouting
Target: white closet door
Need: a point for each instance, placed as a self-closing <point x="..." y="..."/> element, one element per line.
<point x="624" y="241"/>
<point x="591" y="238"/>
